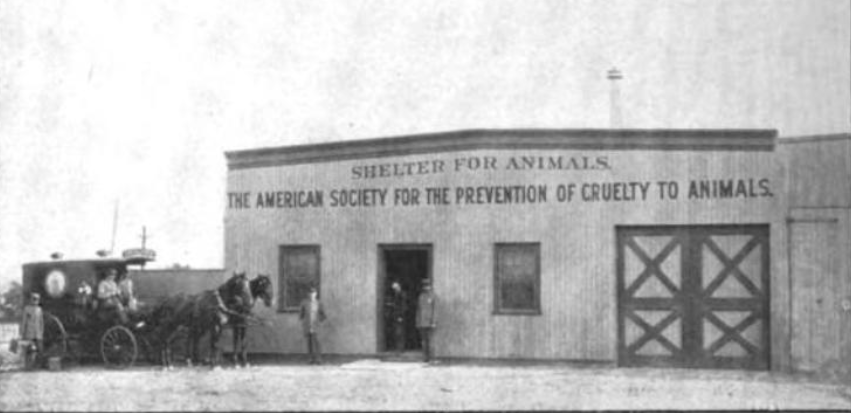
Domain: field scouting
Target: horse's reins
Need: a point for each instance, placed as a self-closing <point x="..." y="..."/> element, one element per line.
<point x="223" y="308"/>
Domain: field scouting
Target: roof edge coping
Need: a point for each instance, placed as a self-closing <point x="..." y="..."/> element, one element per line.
<point x="475" y="139"/>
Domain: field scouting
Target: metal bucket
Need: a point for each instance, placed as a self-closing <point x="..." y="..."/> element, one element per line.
<point x="54" y="363"/>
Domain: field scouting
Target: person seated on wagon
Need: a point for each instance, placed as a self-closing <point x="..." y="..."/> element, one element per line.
<point x="125" y="287"/>
<point x="109" y="296"/>
<point x="84" y="296"/>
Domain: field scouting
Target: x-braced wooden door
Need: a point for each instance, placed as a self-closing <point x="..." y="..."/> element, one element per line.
<point x="693" y="296"/>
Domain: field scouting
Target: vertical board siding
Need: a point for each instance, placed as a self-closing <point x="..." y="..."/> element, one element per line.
<point x="819" y="172"/>
<point x="844" y="287"/>
<point x="578" y="294"/>
<point x="820" y="291"/>
<point x="151" y="285"/>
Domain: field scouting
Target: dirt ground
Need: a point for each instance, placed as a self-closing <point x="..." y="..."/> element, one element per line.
<point x="375" y="385"/>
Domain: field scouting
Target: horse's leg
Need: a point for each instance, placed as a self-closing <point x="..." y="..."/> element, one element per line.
<point x="243" y="346"/>
<point x="161" y="352"/>
<point x="191" y="346"/>
<point x="165" y="356"/>
<point x="235" y="355"/>
<point x="168" y="340"/>
<point x="238" y="344"/>
<point x="161" y="336"/>
<point x="215" y="354"/>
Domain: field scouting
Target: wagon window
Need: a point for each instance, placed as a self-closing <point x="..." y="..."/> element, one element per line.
<point x="299" y="271"/>
<point x="517" y="278"/>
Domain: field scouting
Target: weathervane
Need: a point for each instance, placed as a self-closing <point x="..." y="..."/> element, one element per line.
<point x="144" y="236"/>
<point x="140" y="255"/>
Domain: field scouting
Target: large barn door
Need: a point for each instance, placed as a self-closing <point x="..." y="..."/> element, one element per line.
<point x="693" y="296"/>
<point x="651" y="297"/>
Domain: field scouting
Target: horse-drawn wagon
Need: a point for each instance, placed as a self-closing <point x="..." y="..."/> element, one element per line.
<point x="75" y="326"/>
<point x="78" y="324"/>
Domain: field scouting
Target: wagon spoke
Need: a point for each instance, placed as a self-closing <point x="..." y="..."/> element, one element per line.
<point x="55" y="337"/>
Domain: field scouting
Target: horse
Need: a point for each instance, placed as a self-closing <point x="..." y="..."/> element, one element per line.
<point x="208" y="311"/>
<point x="211" y="311"/>
<point x="260" y="286"/>
<point x="168" y="318"/>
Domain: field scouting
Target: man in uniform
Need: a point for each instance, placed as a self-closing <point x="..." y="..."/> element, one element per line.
<point x="311" y="313"/>
<point x="398" y="308"/>
<point x="426" y="318"/>
<point x="32" y="329"/>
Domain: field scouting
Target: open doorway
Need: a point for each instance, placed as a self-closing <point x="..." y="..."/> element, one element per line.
<point x="409" y="265"/>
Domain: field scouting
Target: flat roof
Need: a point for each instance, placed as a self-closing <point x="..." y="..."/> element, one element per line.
<point x="105" y="260"/>
<point x="814" y="138"/>
<point x="480" y="139"/>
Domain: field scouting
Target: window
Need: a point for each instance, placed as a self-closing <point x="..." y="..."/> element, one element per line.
<point x="517" y="278"/>
<point x="299" y="272"/>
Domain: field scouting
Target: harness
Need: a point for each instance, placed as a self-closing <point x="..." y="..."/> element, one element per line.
<point x="224" y="310"/>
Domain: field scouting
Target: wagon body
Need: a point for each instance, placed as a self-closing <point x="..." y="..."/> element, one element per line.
<point x="74" y="329"/>
<point x="57" y="281"/>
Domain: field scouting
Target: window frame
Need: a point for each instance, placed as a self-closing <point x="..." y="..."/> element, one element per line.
<point x="497" y="300"/>
<point x="316" y="249"/>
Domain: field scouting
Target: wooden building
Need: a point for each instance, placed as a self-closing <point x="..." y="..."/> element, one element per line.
<point x="151" y="285"/>
<point x="631" y="247"/>
<point x="818" y="170"/>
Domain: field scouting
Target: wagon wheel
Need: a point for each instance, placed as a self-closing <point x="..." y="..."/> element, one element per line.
<point x="118" y="347"/>
<point x="55" y="337"/>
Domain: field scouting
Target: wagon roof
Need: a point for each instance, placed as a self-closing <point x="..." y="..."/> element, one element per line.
<point x="106" y="260"/>
<point x="133" y="256"/>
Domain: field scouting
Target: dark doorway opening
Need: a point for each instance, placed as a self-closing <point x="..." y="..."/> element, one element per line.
<point x="409" y="265"/>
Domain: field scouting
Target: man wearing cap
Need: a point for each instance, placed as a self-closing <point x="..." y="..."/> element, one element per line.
<point x="426" y="318"/>
<point x="311" y="313"/>
<point x="32" y="326"/>
<point x="398" y="309"/>
<point x="109" y="296"/>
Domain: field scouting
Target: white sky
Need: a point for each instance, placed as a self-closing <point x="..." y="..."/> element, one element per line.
<point x="138" y="100"/>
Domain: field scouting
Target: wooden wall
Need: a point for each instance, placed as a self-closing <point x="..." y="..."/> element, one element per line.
<point x="819" y="169"/>
<point x="155" y="284"/>
<point x="819" y="227"/>
<point x="577" y="238"/>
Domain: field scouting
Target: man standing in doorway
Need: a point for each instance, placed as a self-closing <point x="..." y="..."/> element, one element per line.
<point x="311" y="313"/>
<point x="398" y="306"/>
<point x="426" y="318"/>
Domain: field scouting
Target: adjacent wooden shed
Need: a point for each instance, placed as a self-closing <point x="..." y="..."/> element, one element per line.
<point x="151" y="285"/>
<point x="818" y="170"/>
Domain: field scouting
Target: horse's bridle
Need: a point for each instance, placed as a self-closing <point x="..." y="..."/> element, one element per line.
<point x="224" y="308"/>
